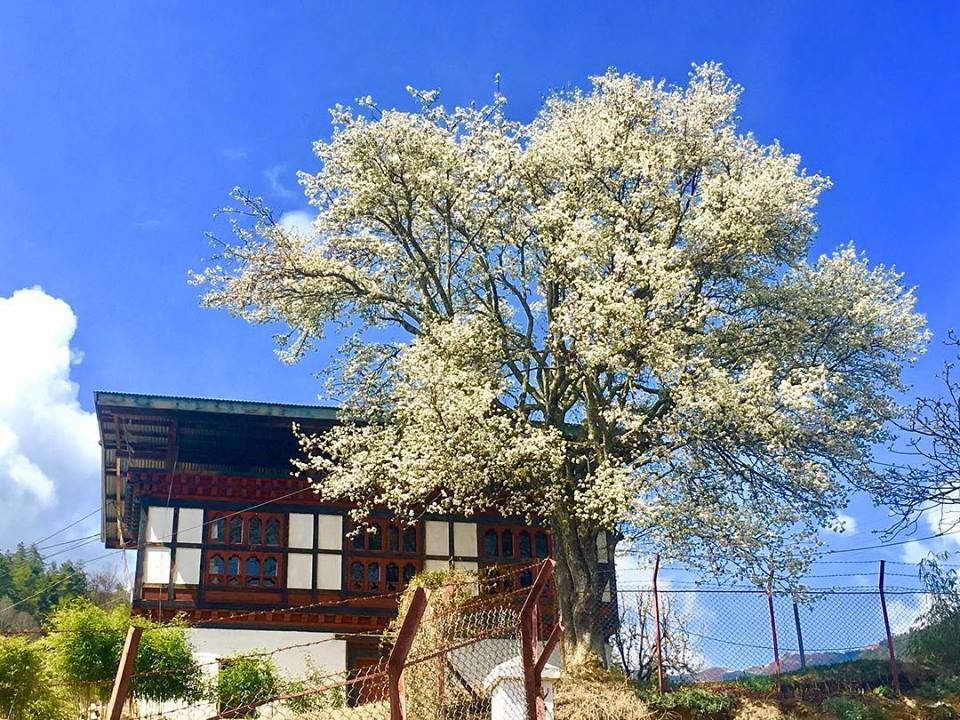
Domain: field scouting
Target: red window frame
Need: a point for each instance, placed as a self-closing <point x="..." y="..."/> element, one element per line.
<point x="244" y="579"/>
<point x="225" y="521"/>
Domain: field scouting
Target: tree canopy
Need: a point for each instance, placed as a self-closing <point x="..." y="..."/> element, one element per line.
<point x="606" y="317"/>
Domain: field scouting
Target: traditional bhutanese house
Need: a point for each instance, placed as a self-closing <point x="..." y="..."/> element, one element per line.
<point x="248" y="554"/>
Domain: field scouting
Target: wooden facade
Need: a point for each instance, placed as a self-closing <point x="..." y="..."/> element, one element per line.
<point x="225" y="536"/>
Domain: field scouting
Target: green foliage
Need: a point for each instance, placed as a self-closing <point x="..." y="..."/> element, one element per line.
<point x="936" y="639"/>
<point x="24" y="576"/>
<point x="165" y="653"/>
<point x="21" y="673"/>
<point x="845" y="708"/>
<point x="694" y="699"/>
<point x="243" y="681"/>
<point x="85" y="645"/>
<point x="760" y="683"/>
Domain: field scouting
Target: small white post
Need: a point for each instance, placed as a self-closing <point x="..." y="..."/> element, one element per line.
<point x="505" y="684"/>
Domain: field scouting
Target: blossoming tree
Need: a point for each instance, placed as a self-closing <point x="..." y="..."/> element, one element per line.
<point x="604" y="318"/>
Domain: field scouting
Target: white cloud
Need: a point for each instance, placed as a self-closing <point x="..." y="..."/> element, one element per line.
<point x="844" y="525"/>
<point x="944" y="519"/>
<point x="49" y="456"/>
<point x="273" y="176"/>
<point x="300" y="220"/>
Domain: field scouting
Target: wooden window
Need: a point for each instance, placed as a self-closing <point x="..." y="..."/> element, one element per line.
<point x="216" y="570"/>
<point x="255" y="530"/>
<point x="273" y="531"/>
<point x="369" y="538"/>
<point x="541" y="545"/>
<point x="524" y="543"/>
<point x="252" y="529"/>
<point x="236" y="530"/>
<point x="507" y="544"/>
<point x="233" y="570"/>
<point x="491" y="548"/>
<point x="218" y="529"/>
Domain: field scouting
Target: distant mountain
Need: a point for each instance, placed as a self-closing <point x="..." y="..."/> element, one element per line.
<point x="788" y="663"/>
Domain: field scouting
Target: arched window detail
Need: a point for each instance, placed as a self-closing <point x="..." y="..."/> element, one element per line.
<point x="233" y="570"/>
<point x="273" y="532"/>
<point x="270" y="572"/>
<point x="252" y="571"/>
<point x="507" y="544"/>
<point x="409" y="570"/>
<point x="524" y="543"/>
<point x="373" y="576"/>
<point x="410" y="539"/>
<point x="255" y="531"/>
<point x="218" y="530"/>
<point x="392" y="576"/>
<point x="356" y="576"/>
<point x="375" y="540"/>
<point x="541" y="545"/>
<point x="490" y="545"/>
<point x="217" y="570"/>
<point x="393" y="538"/>
<point x="236" y="530"/>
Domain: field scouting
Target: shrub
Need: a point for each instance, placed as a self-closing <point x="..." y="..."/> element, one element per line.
<point x="936" y="639"/>
<point x="697" y="700"/>
<point x="244" y="681"/>
<point x="25" y="692"/>
<point x="86" y="642"/>
<point x="845" y="708"/>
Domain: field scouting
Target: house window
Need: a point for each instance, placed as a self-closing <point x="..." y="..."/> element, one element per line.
<point x="369" y="538"/>
<point x="246" y="570"/>
<point x="252" y="529"/>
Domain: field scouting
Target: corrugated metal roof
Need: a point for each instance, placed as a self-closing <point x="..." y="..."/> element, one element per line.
<point x="213" y="405"/>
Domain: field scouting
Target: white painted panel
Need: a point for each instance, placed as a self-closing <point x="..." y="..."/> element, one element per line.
<point x="299" y="571"/>
<point x="437" y="538"/>
<point x="465" y="539"/>
<point x="301" y="530"/>
<point x="186" y="570"/>
<point x="212" y="644"/>
<point x="190" y="525"/>
<point x="159" y="524"/>
<point x="156" y="565"/>
<point x="331" y="532"/>
<point x="436" y="565"/>
<point x="329" y="572"/>
<point x="466" y="566"/>
<point x="603" y="554"/>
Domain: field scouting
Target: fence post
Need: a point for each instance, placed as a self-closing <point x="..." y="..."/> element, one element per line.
<point x="773" y="632"/>
<point x="533" y="662"/>
<point x="401" y="648"/>
<point x="796" y="620"/>
<point x="656" y="620"/>
<point x="121" y="684"/>
<point x="894" y="674"/>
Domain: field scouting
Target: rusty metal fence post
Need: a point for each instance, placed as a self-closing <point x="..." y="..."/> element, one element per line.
<point x="894" y="674"/>
<point x="656" y="620"/>
<point x="533" y="663"/>
<point x="121" y="685"/>
<point x="796" y="622"/>
<point x="773" y="632"/>
<point x="401" y="648"/>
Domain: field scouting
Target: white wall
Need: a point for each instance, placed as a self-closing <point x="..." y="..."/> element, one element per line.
<point x="326" y="653"/>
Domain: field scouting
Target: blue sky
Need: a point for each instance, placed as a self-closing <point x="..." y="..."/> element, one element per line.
<point x="124" y="125"/>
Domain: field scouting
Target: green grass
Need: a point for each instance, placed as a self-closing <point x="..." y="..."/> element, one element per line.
<point x="845" y="708"/>
<point x="699" y="701"/>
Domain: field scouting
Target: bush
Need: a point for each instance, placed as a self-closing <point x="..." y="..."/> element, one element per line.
<point x="244" y="681"/>
<point x="696" y="700"/>
<point x="25" y="692"/>
<point x="849" y="709"/>
<point x="936" y="640"/>
<point x="86" y="642"/>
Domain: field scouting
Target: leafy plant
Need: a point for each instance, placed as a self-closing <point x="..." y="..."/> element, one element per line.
<point x="845" y="708"/>
<point x="244" y="681"/>
<point x="936" y="639"/>
<point x="86" y="641"/>
<point x="696" y="700"/>
<point x="26" y="692"/>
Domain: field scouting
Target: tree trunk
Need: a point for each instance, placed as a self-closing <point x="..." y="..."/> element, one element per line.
<point x="580" y="583"/>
